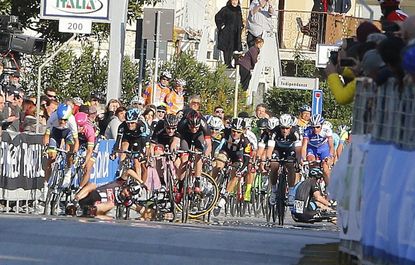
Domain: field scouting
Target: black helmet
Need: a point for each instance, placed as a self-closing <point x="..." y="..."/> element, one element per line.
<point x="316" y="172"/>
<point x="171" y="121"/>
<point x="193" y="118"/>
<point x="305" y="107"/>
<point x="262" y="123"/>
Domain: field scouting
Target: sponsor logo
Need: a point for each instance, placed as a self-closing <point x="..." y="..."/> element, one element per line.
<point x="79" y="6"/>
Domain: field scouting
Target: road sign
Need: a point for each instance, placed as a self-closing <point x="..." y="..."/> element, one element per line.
<point x="75" y="25"/>
<point x="97" y="10"/>
<point x="317" y="102"/>
<point x="297" y="82"/>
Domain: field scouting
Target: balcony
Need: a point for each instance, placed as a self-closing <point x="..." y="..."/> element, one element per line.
<point x="318" y="28"/>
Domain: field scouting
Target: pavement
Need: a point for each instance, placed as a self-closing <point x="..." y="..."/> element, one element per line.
<point x="37" y="239"/>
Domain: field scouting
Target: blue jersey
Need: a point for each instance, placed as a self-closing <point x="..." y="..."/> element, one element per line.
<point x="317" y="140"/>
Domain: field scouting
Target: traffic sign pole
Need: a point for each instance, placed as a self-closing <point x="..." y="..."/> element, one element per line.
<point x="317" y="102"/>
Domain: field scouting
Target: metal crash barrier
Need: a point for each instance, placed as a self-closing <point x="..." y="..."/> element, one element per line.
<point x="374" y="181"/>
<point x="22" y="167"/>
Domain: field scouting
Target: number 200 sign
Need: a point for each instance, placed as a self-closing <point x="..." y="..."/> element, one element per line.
<point x="74" y="25"/>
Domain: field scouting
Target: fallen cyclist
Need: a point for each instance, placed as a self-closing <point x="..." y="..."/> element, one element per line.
<point x="310" y="203"/>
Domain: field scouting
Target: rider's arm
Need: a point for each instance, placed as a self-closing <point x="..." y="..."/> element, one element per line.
<point x="304" y="148"/>
<point x="120" y="134"/>
<point x="331" y="145"/>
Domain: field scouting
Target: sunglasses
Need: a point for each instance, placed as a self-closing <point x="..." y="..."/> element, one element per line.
<point x="63" y="119"/>
<point x="194" y="126"/>
<point x="285" y="128"/>
<point x="171" y="128"/>
<point x="161" y="111"/>
<point x="219" y="111"/>
<point x="195" y="102"/>
<point x="236" y="131"/>
<point x="130" y="122"/>
<point x="51" y="96"/>
<point x="316" y="127"/>
<point x="164" y="78"/>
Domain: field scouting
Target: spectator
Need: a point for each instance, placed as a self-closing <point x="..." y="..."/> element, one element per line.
<point x="408" y="61"/>
<point x="229" y="24"/>
<point x="259" y="20"/>
<point x="371" y="64"/>
<point x="261" y="111"/>
<point x="341" y="6"/>
<point x="219" y="112"/>
<point x="77" y="103"/>
<point x="161" y="112"/>
<point x="4" y="120"/>
<point x="248" y="61"/>
<point x="391" y="11"/>
<point x="14" y="79"/>
<point x="137" y="102"/>
<point x="175" y="99"/>
<point x="161" y="91"/>
<point x="408" y="30"/>
<point x="11" y="112"/>
<point x="29" y="120"/>
<point x="51" y="93"/>
<point x="316" y="27"/>
<point x="364" y="30"/>
<point x="112" y="129"/>
<point x="50" y="107"/>
<point x="390" y="51"/>
<point x="95" y="101"/>
<point x="112" y="106"/>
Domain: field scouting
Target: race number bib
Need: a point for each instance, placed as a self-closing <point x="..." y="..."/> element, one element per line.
<point x="298" y="206"/>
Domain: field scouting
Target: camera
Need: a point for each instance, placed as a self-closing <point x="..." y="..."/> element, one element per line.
<point x="333" y="57"/>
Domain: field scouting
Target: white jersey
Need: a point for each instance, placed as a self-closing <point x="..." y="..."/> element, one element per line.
<point x="252" y="139"/>
<point x="53" y="122"/>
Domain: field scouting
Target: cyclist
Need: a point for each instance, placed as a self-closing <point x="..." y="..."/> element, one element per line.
<point x="161" y="91"/>
<point x="310" y="204"/>
<point x="130" y="137"/>
<point x="87" y="139"/>
<point x="61" y="125"/>
<point x="286" y="139"/>
<point x="344" y="139"/>
<point x="336" y="138"/>
<point x="318" y="143"/>
<point x="175" y="99"/>
<point x="193" y="130"/>
<point x="238" y="149"/>
<point x="216" y="126"/>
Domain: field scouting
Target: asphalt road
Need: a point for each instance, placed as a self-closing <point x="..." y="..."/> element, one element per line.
<point x="44" y="240"/>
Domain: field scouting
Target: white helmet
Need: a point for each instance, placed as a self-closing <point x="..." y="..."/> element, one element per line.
<point x="286" y="120"/>
<point x="328" y="124"/>
<point x="316" y="120"/>
<point x="216" y="123"/>
<point x="248" y="123"/>
<point x="343" y="128"/>
<point x="238" y="124"/>
<point x="272" y="123"/>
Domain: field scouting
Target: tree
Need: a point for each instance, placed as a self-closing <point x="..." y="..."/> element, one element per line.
<point x="283" y="101"/>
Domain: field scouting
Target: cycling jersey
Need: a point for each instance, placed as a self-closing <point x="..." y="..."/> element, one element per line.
<point x="187" y="137"/>
<point x="285" y="146"/>
<point x="134" y="137"/>
<point x="237" y="150"/>
<point x="87" y="135"/>
<point x="302" y="123"/>
<point x="160" y="94"/>
<point x="305" y="207"/>
<point x="175" y="102"/>
<point x="317" y="140"/>
<point x="160" y="135"/>
<point x="105" y="193"/>
<point x="336" y="140"/>
<point x="69" y="132"/>
<point x="252" y="139"/>
<point x="344" y="135"/>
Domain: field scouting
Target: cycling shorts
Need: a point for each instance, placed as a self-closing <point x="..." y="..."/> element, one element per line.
<point x="322" y="151"/>
<point x="285" y="152"/>
<point x="57" y="135"/>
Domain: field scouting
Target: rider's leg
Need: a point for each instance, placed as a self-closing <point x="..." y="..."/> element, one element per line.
<point x="87" y="172"/>
<point x="326" y="170"/>
<point x="220" y="161"/>
<point x="85" y="191"/>
<point x="232" y="183"/>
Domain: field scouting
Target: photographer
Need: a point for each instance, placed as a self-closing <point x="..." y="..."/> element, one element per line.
<point x="11" y="110"/>
<point x="341" y="70"/>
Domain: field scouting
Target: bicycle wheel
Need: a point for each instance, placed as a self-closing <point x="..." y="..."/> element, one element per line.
<point x="205" y="200"/>
<point x="232" y="205"/>
<point x="281" y="190"/>
<point x="171" y="194"/>
<point x="185" y="199"/>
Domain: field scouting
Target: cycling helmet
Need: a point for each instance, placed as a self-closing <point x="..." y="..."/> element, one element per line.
<point x="216" y="123"/>
<point x="132" y="115"/>
<point x="170" y="121"/>
<point x="166" y="74"/>
<point x="81" y="118"/>
<point x="193" y="118"/>
<point x="328" y="124"/>
<point x="262" y="123"/>
<point x="343" y="128"/>
<point x="316" y="120"/>
<point x="248" y="123"/>
<point x="64" y="111"/>
<point x="272" y="123"/>
<point x="180" y="82"/>
<point x="286" y="120"/>
<point x="408" y="59"/>
<point x="295" y="121"/>
<point x="78" y="101"/>
<point x="316" y="172"/>
<point x="238" y="124"/>
<point x="305" y="107"/>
